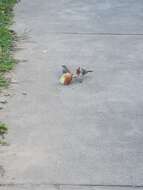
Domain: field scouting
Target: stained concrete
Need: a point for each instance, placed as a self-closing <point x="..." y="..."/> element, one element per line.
<point x="82" y="134"/>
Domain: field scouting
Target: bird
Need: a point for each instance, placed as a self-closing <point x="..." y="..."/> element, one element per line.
<point x="80" y="72"/>
<point x="79" y="76"/>
<point x="66" y="77"/>
<point x="84" y="71"/>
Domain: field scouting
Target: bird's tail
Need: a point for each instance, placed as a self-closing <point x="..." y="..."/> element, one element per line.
<point x="89" y="71"/>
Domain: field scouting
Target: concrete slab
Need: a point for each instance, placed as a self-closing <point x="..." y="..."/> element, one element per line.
<point x="29" y="187"/>
<point x="89" y="133"/>
<point x="98" y="188"/>
<point x="66" y="187"/>
<point x="82" y="16"/>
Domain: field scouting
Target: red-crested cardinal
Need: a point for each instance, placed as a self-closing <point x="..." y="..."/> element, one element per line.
<point x="66" y="77"/>
<point x="80" y="72"/>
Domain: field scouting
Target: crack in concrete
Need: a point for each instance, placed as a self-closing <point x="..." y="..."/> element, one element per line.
<point x="2" y="171"/>
<point x="96" y="33"/>
<point x="59" y="185"/>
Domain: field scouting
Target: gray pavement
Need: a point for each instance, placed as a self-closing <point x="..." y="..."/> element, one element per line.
<point x="85" y="136"/>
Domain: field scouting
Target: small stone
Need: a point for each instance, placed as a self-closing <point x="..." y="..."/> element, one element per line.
<point x="7" y="94"/>
<point x="45" y="51"/>
<point x="24" y="93"/>
<point x="14" y="81"/>
<point x="3" y="101"/>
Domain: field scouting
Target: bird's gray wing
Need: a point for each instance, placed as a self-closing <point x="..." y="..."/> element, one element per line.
<point x="65" y="69"/>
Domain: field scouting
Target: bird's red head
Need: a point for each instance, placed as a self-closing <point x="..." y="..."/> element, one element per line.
<point x="78" y="71"/>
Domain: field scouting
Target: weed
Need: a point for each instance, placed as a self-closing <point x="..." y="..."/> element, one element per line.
<point x="4" y="143"/>
<point x="7" y="39"/>
<point x="3" y="130"/>
<point x="6" y="64"/>
<point x="3" y="82"/>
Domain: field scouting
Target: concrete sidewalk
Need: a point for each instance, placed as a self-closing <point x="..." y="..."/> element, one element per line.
<point x="85" y="136"/>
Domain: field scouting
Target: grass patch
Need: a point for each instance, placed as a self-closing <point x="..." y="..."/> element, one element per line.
<point x="6" y="7"/>
<point x="3" y="82"/>
<point x="7" y="39"/>
<point x="6" y="64"/>
<point x="3" y="143"/>
<point x="3" y="129"/>
<point x="3" y="132"/>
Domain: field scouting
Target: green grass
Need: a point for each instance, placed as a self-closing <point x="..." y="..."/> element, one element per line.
<point x="6" y="7"/>
<point x="3" y="82"/>
<point x="7" y="39"/>
<point x="3" y="129"/>
<point x="3" y="132"/>
<point x="6" y="64"/>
